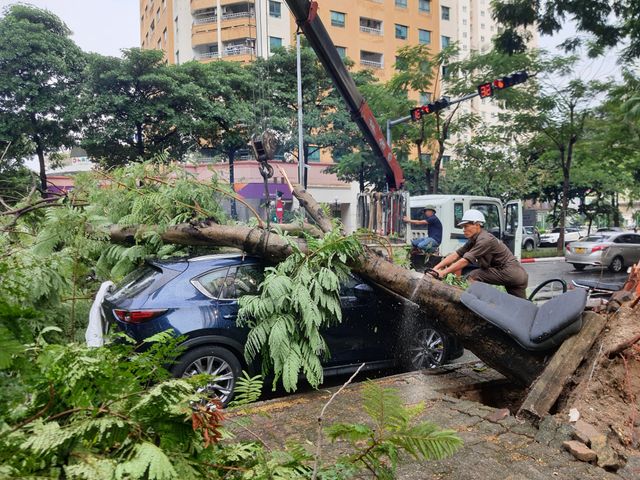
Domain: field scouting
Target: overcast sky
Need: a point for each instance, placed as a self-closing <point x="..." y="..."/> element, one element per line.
<point x="107" y="26"/>
<point x="102" y="26"/>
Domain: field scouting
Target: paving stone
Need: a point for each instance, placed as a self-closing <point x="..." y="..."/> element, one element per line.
<point x="580" y="450"/>
<point x="585" y="432"/>
<point x="631" y="471"/>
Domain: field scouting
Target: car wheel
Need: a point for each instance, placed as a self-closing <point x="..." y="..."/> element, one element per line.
<point x="223" y="366"/>
<point x="616" y="265"/>
<point x="427" y="348"/>
<point x="578" y="266"/>
<point x="528" y="246"/>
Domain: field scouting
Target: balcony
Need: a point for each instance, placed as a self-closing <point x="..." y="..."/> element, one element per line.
<point x="207" y="19"/>
<point x="233" y="15"/>
<point x="206" y="55"/>
<point x="371" y="26"/>
<point x="236" y="50"/>
<point x="370" y="30"/>
<point x="371" y="63"/>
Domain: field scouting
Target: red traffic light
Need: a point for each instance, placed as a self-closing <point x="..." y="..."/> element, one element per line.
<point x="510" y="80"/>
<point x="417" y="113"/>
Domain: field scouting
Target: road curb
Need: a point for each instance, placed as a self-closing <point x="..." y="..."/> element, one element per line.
<point x="545" y="259"/>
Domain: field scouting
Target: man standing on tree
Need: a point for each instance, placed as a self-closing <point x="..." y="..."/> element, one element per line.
<point x="432" y="242"/>
<point x="497" y="264"/>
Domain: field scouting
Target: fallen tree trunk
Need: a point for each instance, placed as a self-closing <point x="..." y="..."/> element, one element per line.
<point x="441" y="302"/>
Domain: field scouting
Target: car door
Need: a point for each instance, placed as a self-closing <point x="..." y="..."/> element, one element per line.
<point x="634" y="248"/>
<point x="240" y="280"/>
<point x="358" y="336"/>
<point x="512" y="232"/>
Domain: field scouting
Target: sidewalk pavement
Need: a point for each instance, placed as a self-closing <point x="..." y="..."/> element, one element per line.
<point x="495" y="446"/>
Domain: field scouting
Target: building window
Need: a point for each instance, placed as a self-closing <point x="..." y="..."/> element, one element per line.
<point x="482" y="38"/>
<point x="275" y="9"/>
<point x="158" y="15"/>
<point x="159" y="44"/>
<point x="425" y="158"/>
<point x="342" y="51"/>
<point x="445" y="160"/>
<point x="445" y="41"/>
<point x="425" y="97"/>
<point x="164" y="4"/>
<point x="464" y="34"/>
<point x="177" y="57"/>
<point x="153" y="25"/>
<point x="401" y="3"/>
<point x="482" y="26"/>
<point x="401" y="31"/>
<point x="164" y="36"/>
<point x="274" y="42"/>
<point x="445" y="13"/>
<point x="482" y="13"/>
<point x="445" y="71"/>
<point x="464" y="22"/>
<point x="424" y="37"/>
<point x="338" y="19"/>
<point x="314" y="154"/>
<point x="424" y="6"/>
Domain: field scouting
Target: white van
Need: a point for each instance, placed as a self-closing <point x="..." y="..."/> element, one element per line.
<point x="504" y="221"/>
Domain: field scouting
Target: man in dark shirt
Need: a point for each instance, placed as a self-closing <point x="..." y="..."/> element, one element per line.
<point x="497" y="264"/>
<point x="433" y="241"/>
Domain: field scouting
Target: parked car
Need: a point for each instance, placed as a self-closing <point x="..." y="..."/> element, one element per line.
<point x="550" y="239"/>
<point x="530" y="238"/>
<point x="610" y="229"/>
<point x="198" y="299"/>
<point x="614" y="250"/>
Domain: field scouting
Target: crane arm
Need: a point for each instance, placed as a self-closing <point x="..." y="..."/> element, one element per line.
<point x="306" y="14"/>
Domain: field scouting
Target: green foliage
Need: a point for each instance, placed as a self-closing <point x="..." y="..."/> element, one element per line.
<point x="38" y="112"/>
<point x="298" y="298"/>
<point x="611" y="23"/>
<point x="247" y="390"/>
<point x="379" y="447"/>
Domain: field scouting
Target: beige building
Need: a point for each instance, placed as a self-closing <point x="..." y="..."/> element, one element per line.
<point x="367" y="31"/>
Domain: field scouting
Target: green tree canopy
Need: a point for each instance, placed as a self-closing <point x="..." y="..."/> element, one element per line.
<point x="136" y="107"/>
<point x="40" y="76"/>
<point x="608" y="22"/>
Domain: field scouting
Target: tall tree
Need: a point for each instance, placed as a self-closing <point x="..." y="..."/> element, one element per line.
<point x="608" y="22"/>
<point x="40" y="76"/>
<point x="137" y="107"/>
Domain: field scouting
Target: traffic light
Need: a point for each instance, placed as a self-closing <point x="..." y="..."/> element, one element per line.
<point x="510" y="80"/>
<point x="417" y="113"/>
<point x="485" y="90"/>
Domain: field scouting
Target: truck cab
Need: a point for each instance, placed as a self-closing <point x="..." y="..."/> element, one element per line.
<point x="503" y="221"/>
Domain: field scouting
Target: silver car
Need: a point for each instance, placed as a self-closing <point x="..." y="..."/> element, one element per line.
<point x="614" y="250"/>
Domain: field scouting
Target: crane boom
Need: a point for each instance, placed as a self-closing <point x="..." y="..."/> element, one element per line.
<point x="305" y="12"/>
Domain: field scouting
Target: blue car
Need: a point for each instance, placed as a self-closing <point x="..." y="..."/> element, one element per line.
<point x="198" y="299"/>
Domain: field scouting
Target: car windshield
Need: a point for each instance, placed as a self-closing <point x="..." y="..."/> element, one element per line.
<point x="556" y="230"/>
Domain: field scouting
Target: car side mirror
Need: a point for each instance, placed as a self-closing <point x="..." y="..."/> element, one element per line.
<point x="363" y="291"/>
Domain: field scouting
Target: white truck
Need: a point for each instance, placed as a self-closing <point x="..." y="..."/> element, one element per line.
<point x="503" y="221"/>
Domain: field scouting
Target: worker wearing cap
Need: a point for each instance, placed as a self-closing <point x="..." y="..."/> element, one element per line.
<point x="433" y="241"/>
<point x="497" y="264"/>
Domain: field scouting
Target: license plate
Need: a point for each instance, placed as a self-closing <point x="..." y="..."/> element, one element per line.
<point x="580" y="250"/>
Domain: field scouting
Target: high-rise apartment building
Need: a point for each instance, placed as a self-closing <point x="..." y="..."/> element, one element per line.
<point x="367" y="31"/>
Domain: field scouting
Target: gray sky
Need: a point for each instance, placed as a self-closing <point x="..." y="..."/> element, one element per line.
<point x="102" y="26"/>
<point x="106" y="27"/>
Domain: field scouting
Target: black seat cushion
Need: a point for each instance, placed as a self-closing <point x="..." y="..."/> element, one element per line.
<point x="512" y="314"/>
<point x="516" y="316"/>
<point x="557" y="314"/>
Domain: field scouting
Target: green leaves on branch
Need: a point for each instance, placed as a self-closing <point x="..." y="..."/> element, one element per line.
<point x="297" y="299"/>
<point x="379" y="448"/>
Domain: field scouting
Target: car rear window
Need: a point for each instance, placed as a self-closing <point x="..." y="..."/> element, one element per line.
<point x="596" y="238"/>
<point x="136" y="282"/>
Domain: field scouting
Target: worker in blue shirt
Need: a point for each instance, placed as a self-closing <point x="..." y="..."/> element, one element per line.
<point x="432" y="242"/>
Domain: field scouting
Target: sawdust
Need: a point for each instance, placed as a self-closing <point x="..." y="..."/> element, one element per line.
<point x="606" y="390"/>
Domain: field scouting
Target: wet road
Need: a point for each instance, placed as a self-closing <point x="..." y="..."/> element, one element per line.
<point x="541" y="271"/>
